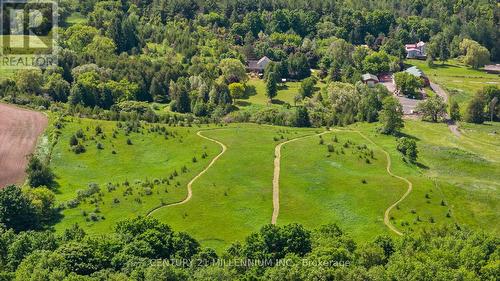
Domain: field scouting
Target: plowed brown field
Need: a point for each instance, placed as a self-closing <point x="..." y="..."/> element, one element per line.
<point x="19" y="131"/>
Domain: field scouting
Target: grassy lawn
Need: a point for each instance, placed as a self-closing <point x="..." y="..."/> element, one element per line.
<point x="146" y="165"/>
<point x="459" y="171"/>
<point x="286" y="92"/>
<point x="455" y="176"/>
<point x="455" y="182"/>
<point x="22" y="41"/>
<point x="6" y="73"/>
<point x="321" y="187"/>
<point x="459" y="80"/>
<point x="76" y="18"/>
<point x="234" y="198"/>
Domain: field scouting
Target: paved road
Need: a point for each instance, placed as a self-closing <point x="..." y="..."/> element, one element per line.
<point x="442" y="93"/>
<point x="409" y="105"/>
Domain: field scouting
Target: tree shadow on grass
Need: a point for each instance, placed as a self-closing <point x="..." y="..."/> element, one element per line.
<point x="422" y="166"/>
<point x="242" y="103"/>
<point x="275" y="101"/>
<point x="401" y="135"/>
<point x="250" y="90"/>
<point x="282" y="87"/>
<point x="54" y="186"/>
<point x="56" y="218"/>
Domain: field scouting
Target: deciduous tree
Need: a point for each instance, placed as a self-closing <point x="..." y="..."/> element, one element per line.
<point x="391" y="116"/>
<point x="432" y="109"/>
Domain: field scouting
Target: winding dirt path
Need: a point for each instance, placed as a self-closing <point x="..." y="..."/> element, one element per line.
<point x="442" y="93"/>
<point x="19" y="132"/>
<point x="277" y="171"/>
<point x="190" y="184"/>
<point x="387" y="219"/>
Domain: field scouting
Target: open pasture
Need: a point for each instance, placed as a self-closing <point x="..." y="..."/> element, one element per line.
<point x="340" y="177"/>
<point x="460" y="81"/>
<point x="127" y="169"/>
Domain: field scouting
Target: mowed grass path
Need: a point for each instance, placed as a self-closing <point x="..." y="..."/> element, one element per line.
<point x="465" y="170"/>
<point x="455" y="182"/>
<point x="455" y="176"/>
<point x="234" y="197"/>
<point x="319" y="186"/>
<point x="147" y="166"/>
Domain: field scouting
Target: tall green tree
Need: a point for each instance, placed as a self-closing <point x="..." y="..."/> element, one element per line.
<point x="432" y="109"/>
<point x="475" y="109"/>
<point x="39" y="173"/>
<point x="475" y="55"/>
<point x="16" y="210"/>
<point x="391" y="116"/>
<point x="455" y="114"/>
<point x="408" y="147"/>
<point x="407" y="84"/>
<point x="272" y="86"/>
<point x="307" y="87"/>
<point x="302" y="117"/>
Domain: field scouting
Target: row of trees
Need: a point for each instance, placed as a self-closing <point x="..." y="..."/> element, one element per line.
<point x="146" y="249"/>
<point x="161" y="51"/>
<point x="484" y="106"/>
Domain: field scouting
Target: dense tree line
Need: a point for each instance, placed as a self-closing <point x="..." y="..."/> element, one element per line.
<point x="189" y="53"/>
<point x="145" y="249"/>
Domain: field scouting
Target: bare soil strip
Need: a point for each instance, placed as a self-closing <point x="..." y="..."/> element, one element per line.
<point x="19" y="131"/>
<point x="276" y="177"/>
<point x="190" y="184"/>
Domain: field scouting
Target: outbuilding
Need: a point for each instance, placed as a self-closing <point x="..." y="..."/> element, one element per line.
<point x="258" y="66"/>
<point x="492" y="68"/>
<point x="416" y="51"/>
<point x="370" y="79"/>
<point x="415" y="71"/>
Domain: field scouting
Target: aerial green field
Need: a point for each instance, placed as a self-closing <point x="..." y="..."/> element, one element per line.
<point x="132" y="178"/>
<point x="345" y="185"/>
<point x="459" y="80"/>
<point x="234" y="198"/>
<point x="454" y="183"/>
<point x="286" y="92"/>
<point x="455" y="175"/>
<point x="76" y="18"/>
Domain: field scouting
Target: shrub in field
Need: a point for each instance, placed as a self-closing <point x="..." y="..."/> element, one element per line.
<point x="73" y="140"/>
<point x="39" y="173"/>
<point x="79" y="148"/>
<point x="79" y="134"/>
<point x="98" y="130"/>
<point x="408" y="147"/>
<point x="331" y="148"/>
<point x="92" y="189"/>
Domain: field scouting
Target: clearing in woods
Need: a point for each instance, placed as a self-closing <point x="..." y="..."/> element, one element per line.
<point x="347" y="183"/>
